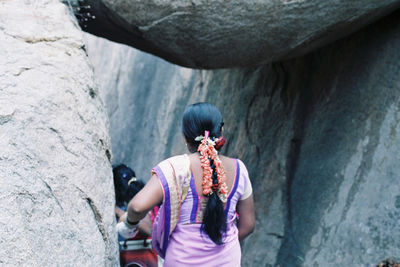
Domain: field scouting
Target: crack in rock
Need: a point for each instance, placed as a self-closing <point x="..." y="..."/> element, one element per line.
<point x="98" y="218"/>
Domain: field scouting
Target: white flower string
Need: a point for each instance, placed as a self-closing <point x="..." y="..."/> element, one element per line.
<point x="207" y="150"/>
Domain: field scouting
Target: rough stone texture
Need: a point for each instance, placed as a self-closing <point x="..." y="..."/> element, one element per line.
<point x="219" y="34"/>
<point x="138" y="113"/>
<point x="344" y="195"/>
<point x="319" y="135"/>
<point x="56" y="188"/>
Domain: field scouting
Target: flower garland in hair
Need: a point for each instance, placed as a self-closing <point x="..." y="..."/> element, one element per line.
<point x="207" y="150"/>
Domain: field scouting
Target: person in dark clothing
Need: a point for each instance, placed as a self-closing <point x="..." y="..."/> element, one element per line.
<point x="126" y="187"/>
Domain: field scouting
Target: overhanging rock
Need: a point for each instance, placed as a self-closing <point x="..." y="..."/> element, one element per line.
<point x="223" y="34"/>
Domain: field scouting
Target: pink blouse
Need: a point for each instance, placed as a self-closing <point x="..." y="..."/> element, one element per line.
<point x="188" y="246"/>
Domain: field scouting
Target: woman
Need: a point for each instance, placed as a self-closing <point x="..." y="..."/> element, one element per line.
<point x="126" y="187"/>
<point x="207" y="198"/>
<point x="134" y="250"/>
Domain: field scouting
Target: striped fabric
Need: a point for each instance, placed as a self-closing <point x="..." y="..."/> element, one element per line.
<point x="174" y="175"/>
<point x="183" y="206"/>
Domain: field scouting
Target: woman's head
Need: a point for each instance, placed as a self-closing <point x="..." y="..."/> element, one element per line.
<point x="125" y="187"/>
<point x="197" y="119"/>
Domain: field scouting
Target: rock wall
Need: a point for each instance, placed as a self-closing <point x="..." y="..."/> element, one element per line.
<point x="56" y="188"/>
<point x="221" y="34"/>
<point x="343" y="205"/>
<point x="319" y="135"/>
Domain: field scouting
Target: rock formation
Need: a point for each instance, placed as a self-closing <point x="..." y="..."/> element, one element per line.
<point x="319" y="135"/>
<point x="56" y="187"/>
<point x="221" y="33"/>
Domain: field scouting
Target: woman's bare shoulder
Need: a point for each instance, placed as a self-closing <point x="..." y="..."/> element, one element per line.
<point x="226" y="158"/>
<point x="228" y="161"/>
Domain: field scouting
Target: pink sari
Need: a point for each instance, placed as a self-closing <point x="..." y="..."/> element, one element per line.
<point x="176" y="231"/>
<point x="188" y="247"/>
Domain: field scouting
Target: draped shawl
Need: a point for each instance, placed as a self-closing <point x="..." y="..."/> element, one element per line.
<point x="174" y="175"/>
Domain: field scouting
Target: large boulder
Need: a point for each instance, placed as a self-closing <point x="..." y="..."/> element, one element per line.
<point x="56" y="187"/>
<point x="320" y="136"/>
<point x="220" y="34"/>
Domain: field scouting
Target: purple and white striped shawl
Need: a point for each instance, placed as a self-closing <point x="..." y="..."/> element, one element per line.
<point x="174" y="175"/>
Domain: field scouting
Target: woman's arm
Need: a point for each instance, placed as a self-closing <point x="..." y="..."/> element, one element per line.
<point x="145" y="226"/>
<point x="245" y="209"/>
<point x="119" y="212"/>
<point x="145" y="200"/>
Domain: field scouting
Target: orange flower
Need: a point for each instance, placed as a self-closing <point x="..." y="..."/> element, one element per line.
<point x="207" y="150"/>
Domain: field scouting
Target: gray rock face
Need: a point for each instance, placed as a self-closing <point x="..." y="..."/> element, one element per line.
<point x="56" y="188"/>
<point x="319" y="135"/>
<point x="344" y="202"/>
<point x="220" y="34"/>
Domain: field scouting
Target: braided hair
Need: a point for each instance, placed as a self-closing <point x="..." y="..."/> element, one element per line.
<point x="197" y="119"/>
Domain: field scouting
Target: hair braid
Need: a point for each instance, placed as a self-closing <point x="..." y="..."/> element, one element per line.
<point x="214" y="176"/>
<point x="214" y="219"/>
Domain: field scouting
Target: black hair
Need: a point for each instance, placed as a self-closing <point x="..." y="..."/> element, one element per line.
<point x="124" y="192"/>
<point x="197" y="119"/>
